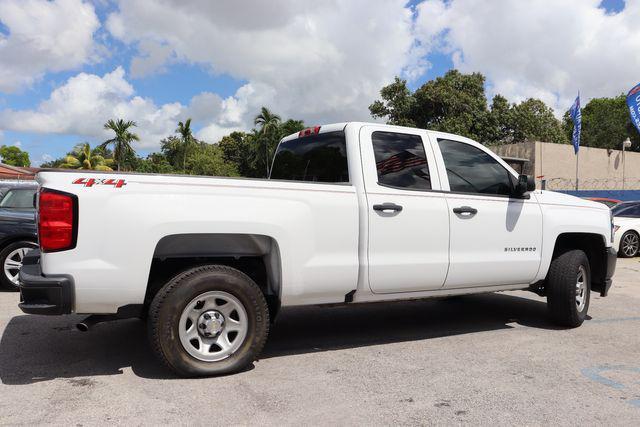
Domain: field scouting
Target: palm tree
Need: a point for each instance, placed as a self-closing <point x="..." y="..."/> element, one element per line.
<point x="268" y="123"/>
<point x="184" y="129"/>
<point x="83" y="157"/>
<point x="123" y="139"/>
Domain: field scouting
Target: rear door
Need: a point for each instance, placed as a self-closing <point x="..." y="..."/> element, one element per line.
<point x="408" y="221"/>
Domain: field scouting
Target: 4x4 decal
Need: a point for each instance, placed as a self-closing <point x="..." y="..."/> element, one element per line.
<point x="90" y="182"/>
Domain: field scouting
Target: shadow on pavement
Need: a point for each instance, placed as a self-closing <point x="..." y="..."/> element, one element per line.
<point x="312" y="329"/>
<point x="41" y="348"/>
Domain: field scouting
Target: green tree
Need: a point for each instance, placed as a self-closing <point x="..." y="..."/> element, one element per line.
<point x="208" y="159"/>
<point x="14" y="156"/>
<point x="268" y="124"/>
<point x="398" y="104"/>
<point x="171" y="148"/>
<point x="237" y="149"/>
<point x="532" y="120"/>
<point x="154" y="163"/>
<point x="457" y="103"/>
<point x="83" y="157"/>
<point x="605" y="124"/>
<point x="122" y="141"/>
<point x="288" y="127"/>
<point x="184" y="129"/>
<point x="52" y="164"/>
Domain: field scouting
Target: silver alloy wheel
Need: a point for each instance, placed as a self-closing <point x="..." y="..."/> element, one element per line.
<point x="581" y="289"/>
<point x="213" y="326"/>
<point x="630" y="244"/>
<point x="13" y="263"/>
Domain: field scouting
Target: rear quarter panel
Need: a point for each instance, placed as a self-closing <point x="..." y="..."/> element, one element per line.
<point x="315" y="227"/>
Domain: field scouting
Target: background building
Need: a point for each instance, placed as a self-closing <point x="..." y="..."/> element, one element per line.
<point x="17" y="173"/>
<point x="601" y="172"/>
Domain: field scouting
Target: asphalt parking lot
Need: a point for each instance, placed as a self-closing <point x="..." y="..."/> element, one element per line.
<point x="479" y="359"/>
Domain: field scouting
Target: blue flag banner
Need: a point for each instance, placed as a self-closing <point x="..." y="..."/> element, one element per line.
<point x="576" y="117"/>
<point x="633" y="101"/>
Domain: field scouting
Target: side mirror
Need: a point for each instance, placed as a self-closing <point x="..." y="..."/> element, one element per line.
<point x="525" y="184"/>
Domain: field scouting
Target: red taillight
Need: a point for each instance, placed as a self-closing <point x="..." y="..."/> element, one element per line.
<point x="56" y="221"/>
<point x="309" y="131"/>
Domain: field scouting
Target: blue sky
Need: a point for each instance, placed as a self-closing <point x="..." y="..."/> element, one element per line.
<point x="184" y="75"/>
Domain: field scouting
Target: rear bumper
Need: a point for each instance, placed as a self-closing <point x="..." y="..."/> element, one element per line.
<point x="40" y="294"/>
<point x="612" y="258"/>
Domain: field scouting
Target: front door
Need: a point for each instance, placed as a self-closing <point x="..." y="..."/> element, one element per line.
<point x="495" y="238"/>
<point x="408" y="221"/>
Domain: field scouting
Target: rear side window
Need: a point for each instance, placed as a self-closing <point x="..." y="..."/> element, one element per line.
<point x="471" y="170"/>
<point x="401" y="161"/>
<point x="317" y="158"/>
<point x="18" y="199"/>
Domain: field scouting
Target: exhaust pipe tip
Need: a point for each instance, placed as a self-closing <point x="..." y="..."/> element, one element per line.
<point x="82" y="327"/>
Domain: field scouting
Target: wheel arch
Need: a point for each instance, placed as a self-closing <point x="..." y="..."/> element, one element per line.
<point x="17" y="238"/>
<point x="593" y="245"/>
<point x="256" y="255"/>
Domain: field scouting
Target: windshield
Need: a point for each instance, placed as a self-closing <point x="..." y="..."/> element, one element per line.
<point x="317" y="158"/>
<point x="18" y="199"/>
<point x="627" y="210"/>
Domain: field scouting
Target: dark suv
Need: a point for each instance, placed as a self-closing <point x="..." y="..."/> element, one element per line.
<point x="18" y="233"/>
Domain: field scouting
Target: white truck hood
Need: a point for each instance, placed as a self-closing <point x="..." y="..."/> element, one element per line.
<point x="555" y="198"/>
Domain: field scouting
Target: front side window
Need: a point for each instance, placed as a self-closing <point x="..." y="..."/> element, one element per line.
<point x="471" y="170"/>
<point x="18" y="199"/>
<point x="401" y="161"/>
<point x="318" y="158"/>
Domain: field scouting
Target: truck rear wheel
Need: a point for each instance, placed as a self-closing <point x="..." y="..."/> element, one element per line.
<point x="209" y="320"/>
<point x="569" y="288"/>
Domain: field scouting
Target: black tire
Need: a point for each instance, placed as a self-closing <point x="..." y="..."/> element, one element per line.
<point x="562" y="290"/>
<point x="167" y="307"/>
<point x="5" y="282"/>
<point x="633" y="250"/>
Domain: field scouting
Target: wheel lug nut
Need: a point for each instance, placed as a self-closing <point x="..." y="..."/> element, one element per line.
<point x="217" y="315"/>
<point x="207" y="316"/>
<point x="203" y="326"/>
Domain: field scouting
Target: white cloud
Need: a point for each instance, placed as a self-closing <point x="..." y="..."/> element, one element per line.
<point x="205" y="107"/>
<point x="44" y="36"/>
<point x="324" y="61"/>
<point x="17" y="144"/>
<point x="43" y="159"/>
<point x="214" y="132"/>
<point x="547" y="49"/>
<point x="321" y="62"/>
<point x="86" y="101"/>
<point x="153" y="58"/>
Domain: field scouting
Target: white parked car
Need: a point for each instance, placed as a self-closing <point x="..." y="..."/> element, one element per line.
<point x="626" y="220"/>
<point x="352" y="213"/>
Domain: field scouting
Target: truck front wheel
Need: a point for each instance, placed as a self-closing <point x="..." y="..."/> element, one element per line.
<point x="210" y="320"/>
<point x="569" y="288"/>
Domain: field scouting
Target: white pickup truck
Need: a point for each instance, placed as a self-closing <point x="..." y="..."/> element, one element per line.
<point x="352" y="213"/>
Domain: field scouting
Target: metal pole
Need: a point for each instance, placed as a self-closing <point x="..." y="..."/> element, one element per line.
<point x="623" y="164"/>
<point x="577" y="163"/>
<point x="625" y="144"/>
